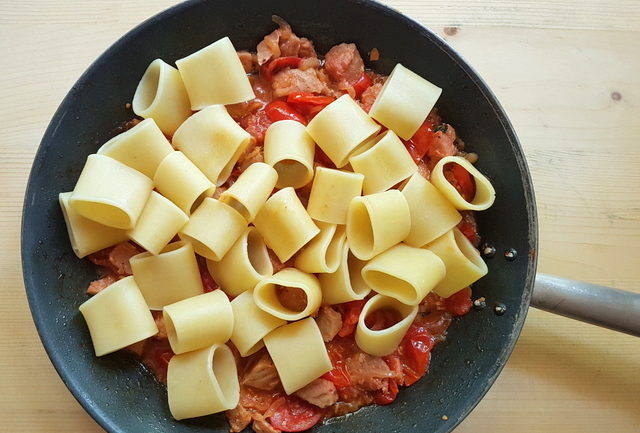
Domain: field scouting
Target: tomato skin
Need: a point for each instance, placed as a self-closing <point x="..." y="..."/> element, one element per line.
<point x="466" y="183"/>
<point x="280" y="110"/>
<point x="459" y="303"/>
<point x="350" y="316"/>
<point x="418" y="145"/>
<point x="295" y="415"/>
<point x="388" y="397"/>
<point x="416" y="348"/>
<point x="362" y="84"/>
<point x="270" y="68"/>
<point x="339" y="375"/>
<point x="309" y="98"/>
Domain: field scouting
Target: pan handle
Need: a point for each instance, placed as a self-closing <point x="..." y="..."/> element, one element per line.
<point x="603" y="306"/>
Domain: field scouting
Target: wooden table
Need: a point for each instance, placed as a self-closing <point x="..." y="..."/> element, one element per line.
<point x="567" y="73"/>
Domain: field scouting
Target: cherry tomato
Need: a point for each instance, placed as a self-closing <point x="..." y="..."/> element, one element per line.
<point x="270" y="68"/>
<point x="459" y="303"/>
<point x="280" y="110"/>
<point x="362" y="84"/>
<point x="339" y="375"/>
<point x="419" y="144"/>
<point x="309" y="98"/>
<point x="387" y="397"/>
<point x="351" y="312"/>
<point x="466" y="183"/>
<point x="295" y="415"/>
<point x="469" y="228"/>
<point x="416" y="347"/>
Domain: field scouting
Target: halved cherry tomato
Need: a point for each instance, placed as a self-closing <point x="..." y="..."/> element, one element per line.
<point x="270" y="68"/>
<point x="350" y="315"/>
<point x="387" y="397"/>
<point x="416" y="347"/>
<point x="459" y="303"/>
<point x="309" y="103"/>
<point x="362" y="84"/>
<point x="466" y="183"/>
<point x="280" y="110"/>
<point x="339" y="375"/>
<point x="419" y="144"/>
<point x="295" y="415"/>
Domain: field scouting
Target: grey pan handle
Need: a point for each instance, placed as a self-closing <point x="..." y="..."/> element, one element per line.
<point x="603" y="306"/>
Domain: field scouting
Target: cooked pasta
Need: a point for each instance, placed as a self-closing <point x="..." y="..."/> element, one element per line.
<point x="322" y="253"/>
<point x="404" y="101"/>
<point x="110" y="193"/>
<point x="214" y="75"/>
<point x="289" y="294"/>
<point x="117" y="317"/>
<point x="251" y="190"/>
<point x="484" y="196"/>
<point x="331" y="193"/>
<point x="289" y="150"/>
<point x="346" y="283"/>
<point x="161" y="96"/>
<point x="168" y="277"/>
<point x="251" y="324"/>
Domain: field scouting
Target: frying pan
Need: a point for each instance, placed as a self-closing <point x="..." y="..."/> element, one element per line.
<point x="118" y="392"/>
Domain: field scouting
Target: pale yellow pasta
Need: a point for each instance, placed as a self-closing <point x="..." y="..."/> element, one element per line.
<point x="251" y="324"/>
<point x="202" y="382"/>
<point x="322" y="254"/>
<point x="432" y="215"/>
<point x="213" y="229"/>
<point x="213" y="141"/>
<point x="284" y="224"/>
<point x="376" y="222"/>
<point x="110" y="192"/>
<point x="331" y="192"/>
<point x="340" y="128"/>
<point x="346" y="283"/>
<point x="246" y="263"/>
<point x="384" y="341"/>
<point x="117" y="317"/>
<point x="168" y="277"/>
<point x="142" y="147"/>
<point x="214" y="75"/>
<point x="87" y="236"/>
<point x="179" y="180"/>
<point x="404" y="101"/>
<point x="290" y="151"/>
<point x="198" y="322"/>
<point x="269" y="292"/>
<point x="485" y="194"/>
<point x="299" y="354"/>
<point x="161" y="96"/>
<point x="158" y="223"/>
<point x="462" y="261"/>
<point x="404" y="273"/>
<point x="251" y="190"/>
<point x="384" y="165"/>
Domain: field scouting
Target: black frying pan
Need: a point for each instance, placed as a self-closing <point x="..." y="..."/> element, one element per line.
<point x="117" y="391"/>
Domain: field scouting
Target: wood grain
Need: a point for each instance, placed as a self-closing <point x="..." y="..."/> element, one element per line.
<point x="568" y="74"/>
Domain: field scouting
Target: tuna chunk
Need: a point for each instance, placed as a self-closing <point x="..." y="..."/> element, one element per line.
<point x="239" y="418"/>
<point x="344" y="64"/>
<point x="283" y="42"/>
<point x="246" y="58"/>
<point x="369" y="96"/>
<point x="320" y="392"/>
<point x="97" y="286"/>
<point x="297" y="80"/>
<point x="261" y="425"/>
<point x="368" y="372"/>
<point x="261" y="374"/>
<point x="329" y="321"/>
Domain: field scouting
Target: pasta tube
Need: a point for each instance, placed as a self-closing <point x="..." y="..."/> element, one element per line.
<point x="290" y="150"/>
<point x="202" y="382"/>
<point x="404" y="273"/>
<point x="251" y="324"/>
<point x="346" y="283"/>
<point x="485" y="194"/>
<point x="331" y="193"/>
<point x="298" y="353"/>
<point x="161" y="96"/>
<point x="376" y="222"/>
<point x="251" y="190"/>
<point x="289" y="294"/>
<point x="110" y="193"/>
<point x="322" y="253"/>
<point x="117" y="317"/>
<point x="198" y="322"/>
<point x="381" y="342"/>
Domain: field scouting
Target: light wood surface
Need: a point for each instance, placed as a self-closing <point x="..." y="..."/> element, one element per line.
<point x="568" y="74"/>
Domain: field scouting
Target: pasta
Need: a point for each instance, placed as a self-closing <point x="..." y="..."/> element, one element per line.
<point x="198" y="322"/>
<point x="202" y="382"/>
<point x="179" y="180"/>
<point x="298" y="353"/>
<point x="376" y="222"/>
<point x="251" y="190"/>
<point x="484" y="196"/>
<point x="214" y="75"/>
<point x="213" y="141"/>
<point x="142" y="147"/>
<point x="87" y="236"/>
<point x="168" y="277"/>
<point x="274" y="294"/>
<point x="432" y="215"/>
<point x="117" y="317"/>
<point x="404" y="273"/>
<point x="340" y="128"/>
<point x="382" y="342"/>
<point x="284" y="224"/>
<point x="110" y="193"/>
<point x="158" y="223"/>
<point x="251" y="324"/>
<point x="462" y="261"/>
<point x="322" y="253"/>
<point x="331" y="193"/>
<point x="213" y="244"/>
<point x="404" y="101"/>
<point x="161" y="96"/>
<point x="246" y="263"/>
<point x="289" y="150"/>
<point x="384" y="165"/>
<point x="346" y="283"/>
